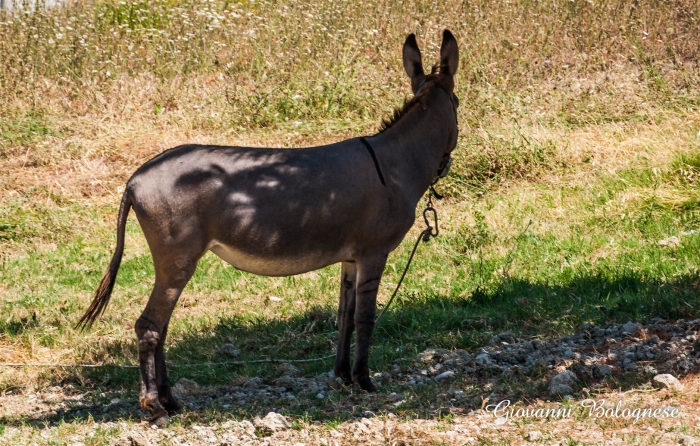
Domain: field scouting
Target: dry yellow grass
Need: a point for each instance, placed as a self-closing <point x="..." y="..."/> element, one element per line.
<point x="603" y="89"/>
<point x="148" y="77"/>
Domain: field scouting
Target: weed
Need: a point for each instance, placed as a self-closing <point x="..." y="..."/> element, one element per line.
<point x="473" y="237"/>
<point x="23" y="130"/>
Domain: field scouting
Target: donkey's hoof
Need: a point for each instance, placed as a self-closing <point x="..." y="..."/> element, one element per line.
<point x="366" y="384"/>
<point x="344" y="375"/>
<point x="160" y="419"/>
<point x="173" y="407"/>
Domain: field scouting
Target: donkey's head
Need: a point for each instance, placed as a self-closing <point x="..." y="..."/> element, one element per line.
<point x="441" y="77"/>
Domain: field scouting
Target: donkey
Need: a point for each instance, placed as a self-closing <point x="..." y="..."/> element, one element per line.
<point x="282" y="212"/>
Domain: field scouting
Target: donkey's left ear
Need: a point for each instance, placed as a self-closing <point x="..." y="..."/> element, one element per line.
<point x="413" y="62"/>
<point x="449" y="54"/>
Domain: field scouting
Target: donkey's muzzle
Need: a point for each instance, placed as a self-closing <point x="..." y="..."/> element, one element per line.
<point x="445" y="168"/>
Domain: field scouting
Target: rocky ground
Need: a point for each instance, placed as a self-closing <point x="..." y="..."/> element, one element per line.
<point x="453" y="397"/>
<point x="586" y="357"/>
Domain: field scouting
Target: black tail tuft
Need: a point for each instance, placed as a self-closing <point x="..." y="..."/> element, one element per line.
<point x="104" y="290"/>
<point x="101" y="298"/>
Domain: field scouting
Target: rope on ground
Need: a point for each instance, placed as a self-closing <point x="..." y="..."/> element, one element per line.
<point x="175" y="365"/>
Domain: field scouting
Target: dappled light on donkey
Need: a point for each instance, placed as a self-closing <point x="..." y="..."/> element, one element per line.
<point x="283" y="212"/>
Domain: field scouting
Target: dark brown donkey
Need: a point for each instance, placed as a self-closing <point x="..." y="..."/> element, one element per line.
<point x="282" y="212"/>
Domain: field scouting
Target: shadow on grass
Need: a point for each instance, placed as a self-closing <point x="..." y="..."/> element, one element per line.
<point x="415" y="323"/>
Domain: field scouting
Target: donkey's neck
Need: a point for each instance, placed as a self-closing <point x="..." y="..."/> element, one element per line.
<point x="414" y="146"/>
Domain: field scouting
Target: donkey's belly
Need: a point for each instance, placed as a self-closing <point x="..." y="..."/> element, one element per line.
<point x="272" y="266"/>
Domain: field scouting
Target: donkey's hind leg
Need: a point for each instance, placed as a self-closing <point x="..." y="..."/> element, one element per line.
<point x="165" y="395"/>
<point x="346" y="320"/>
<point x="151" y="329"/>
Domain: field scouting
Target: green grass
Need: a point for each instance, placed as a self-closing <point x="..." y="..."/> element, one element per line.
<point x="24" y="130"/>
<point x="471" y="282"/>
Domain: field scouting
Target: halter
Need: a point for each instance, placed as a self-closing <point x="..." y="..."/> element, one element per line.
<point x="446" y="163"/>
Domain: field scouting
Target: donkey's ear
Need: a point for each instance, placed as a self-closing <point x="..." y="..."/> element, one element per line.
<point x="412" y="62"/>
<point x="449" y="54"/>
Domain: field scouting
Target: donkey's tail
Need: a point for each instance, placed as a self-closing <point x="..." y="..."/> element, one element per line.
<point x="104" y="290"/>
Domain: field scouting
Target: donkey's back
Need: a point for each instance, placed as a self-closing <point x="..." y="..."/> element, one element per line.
<point x="266" y="211"/>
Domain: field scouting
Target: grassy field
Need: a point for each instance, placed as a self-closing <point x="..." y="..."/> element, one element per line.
<point x="579" y="152"/>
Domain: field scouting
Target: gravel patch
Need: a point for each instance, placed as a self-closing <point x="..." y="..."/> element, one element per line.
<point x="660" y="349"/>
<point x="592" y="354"/>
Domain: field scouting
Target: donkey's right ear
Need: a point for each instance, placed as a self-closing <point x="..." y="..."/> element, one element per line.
<point x="413" y="63"/>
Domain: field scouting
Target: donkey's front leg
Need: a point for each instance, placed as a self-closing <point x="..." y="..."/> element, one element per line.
<point x="346" y="320"/>
<point x="369" y="274"/>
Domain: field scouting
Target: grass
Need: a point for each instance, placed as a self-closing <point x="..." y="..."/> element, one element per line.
<point x="466" y="285"/>
<point x="578" y="153"/>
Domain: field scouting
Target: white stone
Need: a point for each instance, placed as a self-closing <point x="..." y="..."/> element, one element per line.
<point x="631" y="328"/>
<point x="533" y="436"/>
<point x="185" y="385"/>
<point x="671" y="242"/>
<point x="563" y="383"/>
<point x="483" y="359"/>
<point x="136" y="439"/>
<point x="288" y="382"/>
<point x="666" y="381"/>
<point x="273" y="422"/>
<point x="445" y="375"/>
<point x="288" y="369"/>
<point x="228" y="350"/>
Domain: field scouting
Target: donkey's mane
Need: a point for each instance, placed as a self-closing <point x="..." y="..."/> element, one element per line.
<point x="408" y="104"/>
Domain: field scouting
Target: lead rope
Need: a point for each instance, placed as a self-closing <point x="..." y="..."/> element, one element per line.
<point x="424" y="236"/>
